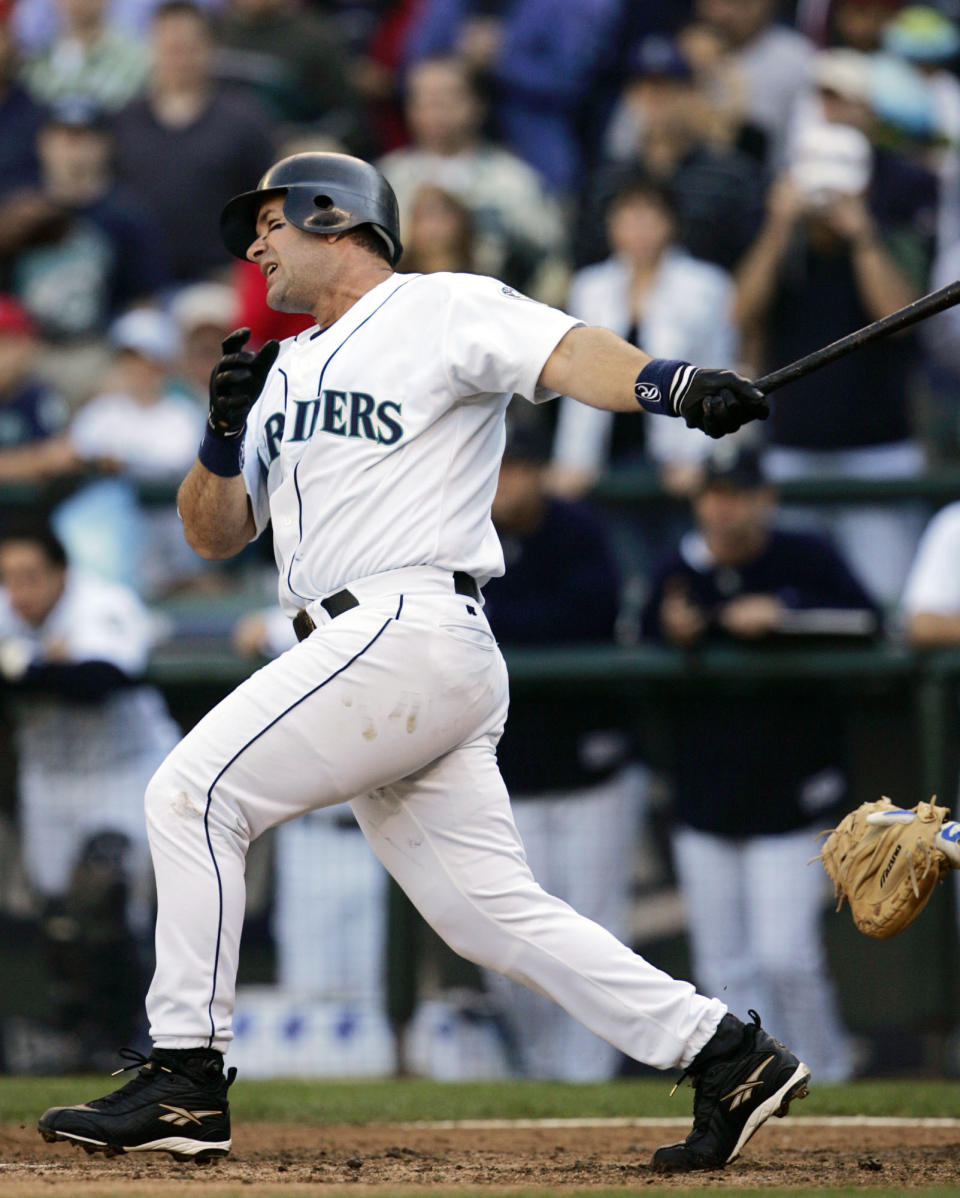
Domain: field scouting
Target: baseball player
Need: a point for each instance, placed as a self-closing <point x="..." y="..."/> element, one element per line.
<point x="371" y="443"/>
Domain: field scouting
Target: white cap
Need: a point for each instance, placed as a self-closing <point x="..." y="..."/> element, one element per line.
<point x="829" y="157"/>
<point x="204" y="304"/>
<point x="844" y="71"/>
<point x="146" y="331"/>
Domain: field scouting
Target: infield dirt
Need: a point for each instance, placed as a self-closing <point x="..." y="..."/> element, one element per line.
<point x="296" y="1159"/>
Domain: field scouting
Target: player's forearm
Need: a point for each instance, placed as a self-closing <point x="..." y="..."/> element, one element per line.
<point x="597" y="367"/>
<point x="217" y="518"/>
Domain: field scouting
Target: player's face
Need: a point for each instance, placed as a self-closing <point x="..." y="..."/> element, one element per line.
<point x="290" y="260"/>
<point x="33" y="583"/>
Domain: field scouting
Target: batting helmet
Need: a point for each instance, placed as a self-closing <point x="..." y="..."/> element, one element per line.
<point x="324" y="193"/>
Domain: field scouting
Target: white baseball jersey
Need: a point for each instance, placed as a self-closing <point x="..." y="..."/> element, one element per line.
<point x="369" y="462"/>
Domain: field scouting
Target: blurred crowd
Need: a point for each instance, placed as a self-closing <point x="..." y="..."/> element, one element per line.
<point x="730" y="182"/>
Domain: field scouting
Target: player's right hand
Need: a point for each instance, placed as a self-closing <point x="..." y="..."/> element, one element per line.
<point x="720" y="402"/>
<point x="236" y="381"/>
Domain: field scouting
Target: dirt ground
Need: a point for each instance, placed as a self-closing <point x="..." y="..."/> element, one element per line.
<point x="296" y="1159"/>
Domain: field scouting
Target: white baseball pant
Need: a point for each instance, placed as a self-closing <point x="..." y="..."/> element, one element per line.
<point x="580" y="845"/>
<point x="396" y="706"/>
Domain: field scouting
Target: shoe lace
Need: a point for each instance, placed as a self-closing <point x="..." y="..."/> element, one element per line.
<point x="136" y="1060"/>
<point x="148" y="1067"/>
<point x="695" y="1077"/>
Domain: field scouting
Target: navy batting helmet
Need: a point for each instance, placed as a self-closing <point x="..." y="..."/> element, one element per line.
<point x="324" y="193"/>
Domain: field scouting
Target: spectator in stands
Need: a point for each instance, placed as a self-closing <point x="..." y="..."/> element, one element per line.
<point x="33" y="418"/>
<point x="189" y="143"/>
<point x="859" y="24"/>
<point x="322" y="863"/>
<point x="136" y="424"/>
<point x="925" y="40"/>
<point x="574" y="793"/>
<point x="85" y="250"/>
<point x="469" y="29"/>
<point x="37" y="23"/>
<point x="439" y="233"/>
<point x="89" y="734"/>
<point x="666" y="123"/>
<point x="551" y="64"/>
<point x="88" y="57"/>
<point x="20" y="117"/>
<point x="772" y="59"/>
<point x="846" y="241"/>
<point x="144" y="433"/>
<point x="745" y="815"/>
<point x="931" y="597"/>
<point x="204" y="314"/>
<point x="519" y="231"/>
<point x="295" y="63"/>
<point x="930" y="41"/>
<point x="653" y="293"/>
<point x="377" y="69"/>
<point x="723" y="86"/>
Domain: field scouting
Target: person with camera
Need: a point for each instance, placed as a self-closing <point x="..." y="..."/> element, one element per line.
<point x="844" y="243"/>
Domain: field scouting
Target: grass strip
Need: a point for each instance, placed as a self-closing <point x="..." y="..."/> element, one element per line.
<point x="416" y="1100"/>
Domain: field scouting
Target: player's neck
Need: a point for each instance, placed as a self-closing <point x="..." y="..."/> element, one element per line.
<point x="339" y="298"/>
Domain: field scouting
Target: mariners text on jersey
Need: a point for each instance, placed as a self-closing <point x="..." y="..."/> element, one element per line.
<point x="340" y="413"/>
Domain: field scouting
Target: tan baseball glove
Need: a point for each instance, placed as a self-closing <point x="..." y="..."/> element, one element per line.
<point x="885" y="861"/>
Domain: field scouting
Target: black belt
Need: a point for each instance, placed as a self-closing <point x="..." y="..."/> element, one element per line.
<point x="341" y="601"/>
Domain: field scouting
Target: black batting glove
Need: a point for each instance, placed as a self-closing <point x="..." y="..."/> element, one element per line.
<point x="717" y="401"/>
<point x="236" y="381"/>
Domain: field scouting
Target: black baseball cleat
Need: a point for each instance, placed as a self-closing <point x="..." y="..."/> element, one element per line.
<point x="177" y="1103"/>
<point x="741" y="1077"/>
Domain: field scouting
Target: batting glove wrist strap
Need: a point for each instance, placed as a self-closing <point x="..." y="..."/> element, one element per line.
<point x="662" y="384"/>
<point x="221" y="455"/>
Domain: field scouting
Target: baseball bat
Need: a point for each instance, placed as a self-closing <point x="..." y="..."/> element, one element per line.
<point x="920" y="309"/>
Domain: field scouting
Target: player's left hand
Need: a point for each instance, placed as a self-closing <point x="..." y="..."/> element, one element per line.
<point x="720" y="402"/>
